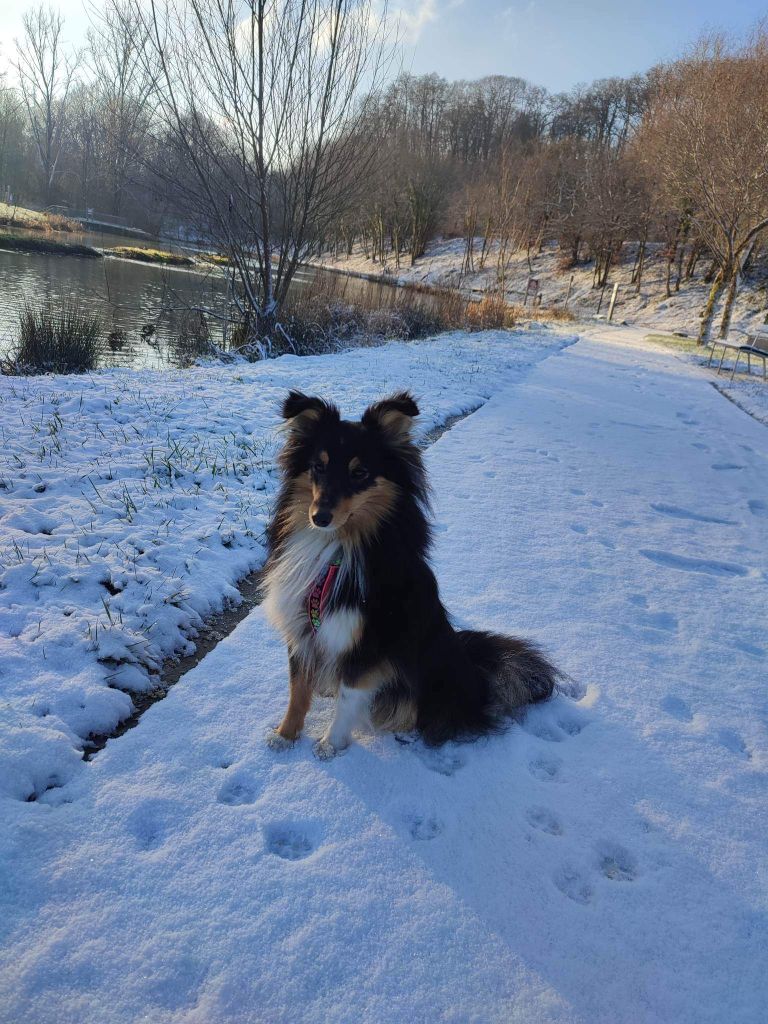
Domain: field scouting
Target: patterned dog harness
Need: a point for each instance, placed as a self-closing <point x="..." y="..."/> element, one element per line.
<point x="320" y="591"/>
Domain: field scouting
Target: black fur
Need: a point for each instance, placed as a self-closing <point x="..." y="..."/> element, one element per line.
<point x="463" y="683"/>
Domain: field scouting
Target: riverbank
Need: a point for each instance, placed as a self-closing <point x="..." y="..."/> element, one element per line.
<point x="46" y="245"/>
<point x="442" y="267"/>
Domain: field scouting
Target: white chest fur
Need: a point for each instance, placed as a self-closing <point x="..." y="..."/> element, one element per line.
<point x="288" y="583"/>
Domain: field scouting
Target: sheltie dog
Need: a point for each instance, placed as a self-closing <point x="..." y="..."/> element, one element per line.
<point x="349" y="586"/>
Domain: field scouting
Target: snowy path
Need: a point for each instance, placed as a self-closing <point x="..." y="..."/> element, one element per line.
<point x="604" y="861"/>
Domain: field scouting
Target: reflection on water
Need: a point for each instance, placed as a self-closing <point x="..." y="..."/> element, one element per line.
<point x="127" y="297"/>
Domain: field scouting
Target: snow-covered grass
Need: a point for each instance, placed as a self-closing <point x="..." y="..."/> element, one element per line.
<point x="442" y="263"/>
<point x="601" y="863"/>
<point x="131" y="503"/>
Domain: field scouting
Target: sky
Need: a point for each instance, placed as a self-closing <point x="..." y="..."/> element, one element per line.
<point x="554" y="43"/>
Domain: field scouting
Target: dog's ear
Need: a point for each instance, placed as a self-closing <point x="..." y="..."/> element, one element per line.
<point x="394" y="416"/>
<point x="302" y="410"/>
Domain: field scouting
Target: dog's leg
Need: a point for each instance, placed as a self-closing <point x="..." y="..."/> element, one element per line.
<point x="299" y="700"/>
<point x="351" y="706"/>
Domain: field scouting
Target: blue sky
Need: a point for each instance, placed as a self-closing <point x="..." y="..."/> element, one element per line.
<point x="557" y="43"/>
<point x="554" y="43"/>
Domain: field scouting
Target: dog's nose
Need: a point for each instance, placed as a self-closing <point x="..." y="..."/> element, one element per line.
<point x="322" y="517"/>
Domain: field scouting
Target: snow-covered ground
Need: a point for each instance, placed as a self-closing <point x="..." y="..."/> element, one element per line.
<point x="132" y="502"/>
<point x="442" y="264"/>
<point x="603" y="861"/>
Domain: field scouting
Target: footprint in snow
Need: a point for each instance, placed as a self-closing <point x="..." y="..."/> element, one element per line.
<point x="175" y="981"/>
<point x="758" y="508"/>
<point x="289" y="842"/>
<point x="545" y="769"/>
<point x="677" y="708"/>
<point x="151" y="823"/>
<point x="723" y="466"/>
<point x="616" y="863"/>
<point x="423" y="828"/>
<point x="552" y="723"/>
<point x="665" y="621"/>
<point x="542" y="729"/>
<point x="544" y="820"/>
<point x="700" y="445"/>
<point x="675" y="512"/>
<point x="573" y="884"/>
<point x="442" y="760"/>
<point x="703" y="565"/>
<point x="574" y="689"/>
<point x="577" y="491"/>
<point x="579" y="528"/>
<point x="238" y="788"/>
<point x="751" y="649"/>
<point x="733" y="741"/>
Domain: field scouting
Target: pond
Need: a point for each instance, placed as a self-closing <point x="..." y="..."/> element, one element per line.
<point x="127" y="296"/>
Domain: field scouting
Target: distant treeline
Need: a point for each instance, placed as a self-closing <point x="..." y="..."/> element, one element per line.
<point x="162" y="129"/>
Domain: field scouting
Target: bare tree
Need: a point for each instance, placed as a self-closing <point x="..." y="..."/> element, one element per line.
<point x="704" y="140"/>
<point x="124" y="87"/>
<point x="265" y="101"/>
<point x="12" y="147"/>
<point x="46" y="73"/>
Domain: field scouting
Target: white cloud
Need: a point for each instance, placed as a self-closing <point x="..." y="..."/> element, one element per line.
<point x="414" y="17"/>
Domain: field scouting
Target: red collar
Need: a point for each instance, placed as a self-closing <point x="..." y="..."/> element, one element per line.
<point x="320" y="591"/>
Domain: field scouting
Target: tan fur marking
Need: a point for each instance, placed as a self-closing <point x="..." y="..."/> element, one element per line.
<point x="399" y="717"/>
<point x="396" y="423"/>
<point x="354" y="464"/>
<point x="297" y="509"/>
<point x="299" y="700"/>
<point x="324" y="458"/>
<point x="374" y="677"/>
<point x="369" y="509"/>
<point x="360" y="514"/>
<point x="301" y="418"/>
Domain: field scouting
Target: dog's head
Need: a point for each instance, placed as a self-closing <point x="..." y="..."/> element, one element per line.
<point x="348" y="474"/>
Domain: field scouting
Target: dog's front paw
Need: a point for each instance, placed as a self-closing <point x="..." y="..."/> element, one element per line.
<point x="277" y="742"/>
<point x="324" y="750"/>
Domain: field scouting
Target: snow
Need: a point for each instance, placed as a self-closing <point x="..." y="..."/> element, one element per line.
<point x="441" y="266"/>
<point x="603" y="861"/>
<point x="133" y="502"/>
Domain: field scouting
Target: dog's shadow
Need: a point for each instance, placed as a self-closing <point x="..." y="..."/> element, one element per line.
<point x="544" y="826"/>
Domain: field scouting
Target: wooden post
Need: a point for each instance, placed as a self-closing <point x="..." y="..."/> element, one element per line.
<point x="568" y="293"/>
<point x="613" y="301"/>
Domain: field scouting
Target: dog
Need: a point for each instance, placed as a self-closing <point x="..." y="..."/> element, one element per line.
<point x="349" y="586"/>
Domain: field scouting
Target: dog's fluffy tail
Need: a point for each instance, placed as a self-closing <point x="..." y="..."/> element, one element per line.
<point x="517" y="671"/>
<point x="479" y="681"/>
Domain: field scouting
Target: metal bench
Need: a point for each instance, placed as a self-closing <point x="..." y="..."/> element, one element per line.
<point x="755" y="345"/>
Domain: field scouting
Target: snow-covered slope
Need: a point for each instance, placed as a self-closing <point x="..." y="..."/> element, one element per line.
<point x="603" y="862"/>
<point x="132" y="502"/>
<point x="442" y="266"/>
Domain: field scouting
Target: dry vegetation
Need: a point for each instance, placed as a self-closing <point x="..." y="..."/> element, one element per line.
<point x="161" y="256"/>
<point x="20" y="218"/>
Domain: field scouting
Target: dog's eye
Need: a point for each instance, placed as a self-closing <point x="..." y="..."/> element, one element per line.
<point x="318" y="468"/>
<point x="359" y="473"/>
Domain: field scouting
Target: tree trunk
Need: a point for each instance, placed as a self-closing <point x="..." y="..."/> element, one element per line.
<point x="709" y="309"/>
<point x="733" y="289"/>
